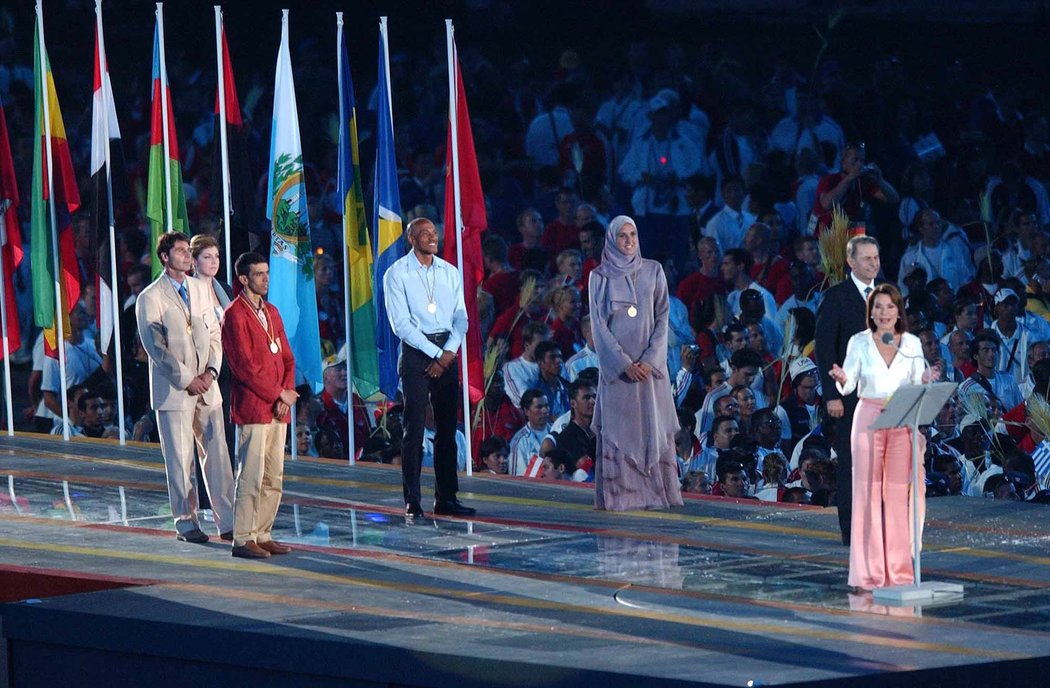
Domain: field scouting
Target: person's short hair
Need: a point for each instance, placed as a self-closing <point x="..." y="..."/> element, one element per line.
<point x="745" y="358"/>
<point x="83" y="400"/>
<point x="520" y="219"/>
<point x="801" y="241"/>
<point x="687" y="418"/>
<point x="986" y="335"/>
<point x="494" y="247"/>
<point x="576" y="385"/>
<point x="709" y="373"/>
<point x="199" y="242"/>
<point x="491" y="445"/>
<point x="141" y="270"/>
<point x="1041" y="377"/>
<point x="544" y="348"/>
<point x="942" y="461"/>
<point x="961" y="304"/>
<point x="588" y="375"/>
<point x="856" y="242"/>
<point x="559" y="295"/>
<point x="732" y="179"/>
<point x="731" y="327"/>
<point x="413" y="227"/>
<point x="561" y="458"/>
<point x="741" y="257"/>
<point x="534" y="329"/>
<point x="530" y="395"/>
<point x="729" y="468"/>
<point x="245" y="261"/>
<point x="891" y="291"/>
<point x="717" y="422"/>
<point x="167" y="241"/>
<point x="761" y="415"/>
<point x="595" y="229"/>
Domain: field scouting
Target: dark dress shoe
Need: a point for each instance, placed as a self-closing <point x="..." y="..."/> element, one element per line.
<point x="227" y="536"/>
<point x="274" y="547"/>
<point x="453" y="507"/>
<point x="413" y="510"/>
<point x="250" y="550"/>
<point x="196" y="536"/>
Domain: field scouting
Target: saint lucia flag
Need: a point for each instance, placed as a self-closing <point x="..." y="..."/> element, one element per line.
<point x="292" y="289"/>
<point x="388" y="233"/>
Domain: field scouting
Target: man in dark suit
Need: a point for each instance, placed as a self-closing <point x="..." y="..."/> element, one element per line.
<point x="842" y="314"/>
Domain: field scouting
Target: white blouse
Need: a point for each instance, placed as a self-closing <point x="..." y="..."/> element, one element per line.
<point x="867" y="372"/>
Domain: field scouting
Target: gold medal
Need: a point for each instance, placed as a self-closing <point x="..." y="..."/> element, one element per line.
<point x="632" y="311"/>
<point x="432" y="307"/>
<point x="274" y="348"/>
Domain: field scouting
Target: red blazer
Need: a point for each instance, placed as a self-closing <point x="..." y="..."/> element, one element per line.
<point x="259" y="376"/>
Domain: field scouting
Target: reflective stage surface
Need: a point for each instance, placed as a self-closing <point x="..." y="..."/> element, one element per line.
<point x="717" y="592"/>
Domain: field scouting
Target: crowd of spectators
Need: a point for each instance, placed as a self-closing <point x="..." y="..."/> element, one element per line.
<point x="732" y="172"/>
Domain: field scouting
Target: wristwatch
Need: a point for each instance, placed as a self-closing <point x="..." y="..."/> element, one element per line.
<point x="214" y="373"/>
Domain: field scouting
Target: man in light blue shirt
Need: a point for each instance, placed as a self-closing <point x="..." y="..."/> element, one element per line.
<point x="424" y="301"/>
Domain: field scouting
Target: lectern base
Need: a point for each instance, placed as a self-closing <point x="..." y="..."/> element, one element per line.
<point x="927" y="591"/>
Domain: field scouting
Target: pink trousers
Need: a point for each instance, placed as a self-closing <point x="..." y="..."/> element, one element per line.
<point x="880" y="552"/>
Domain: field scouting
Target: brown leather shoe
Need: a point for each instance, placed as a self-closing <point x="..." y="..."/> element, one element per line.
<point x="250" y="550"/>
<point x="274" y="547"/>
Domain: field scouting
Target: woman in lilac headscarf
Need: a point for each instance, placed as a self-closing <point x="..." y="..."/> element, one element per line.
<point x="634" y="418"/>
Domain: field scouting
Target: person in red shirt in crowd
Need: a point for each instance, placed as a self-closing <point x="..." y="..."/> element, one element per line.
<point x="499" y="416"/>
<point x="592" y="241"/>
<point x="564" y="303"/>
<point x="530" y="227"/>
<point x="334" y="400"/>
<point x="769" y="269"/>
<point x="505" y="326"/>
<point x="502" y="280"/>
<point x="562" y="233"/>
<point x="852" y="188"/>
<point x="707" y="280"/>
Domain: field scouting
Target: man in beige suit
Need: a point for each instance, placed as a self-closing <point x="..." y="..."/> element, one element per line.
<point x="181" y="336"/>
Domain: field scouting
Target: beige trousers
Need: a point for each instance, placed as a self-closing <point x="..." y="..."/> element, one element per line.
<point x="260" y="479"/>
<point x="179" y="431"/>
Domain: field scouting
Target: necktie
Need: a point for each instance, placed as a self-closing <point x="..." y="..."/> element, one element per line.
<point x="867" y="292"/>
<point x="184" y="294"/>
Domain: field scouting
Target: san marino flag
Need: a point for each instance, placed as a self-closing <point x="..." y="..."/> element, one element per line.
<point x="291" y="259"/>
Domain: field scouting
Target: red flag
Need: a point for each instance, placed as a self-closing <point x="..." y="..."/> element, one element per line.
<point x="10" y="235"/>
<point x="472" y="207"/>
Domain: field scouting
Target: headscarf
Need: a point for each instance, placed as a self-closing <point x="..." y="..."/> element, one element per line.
<point x="617" y="267"/>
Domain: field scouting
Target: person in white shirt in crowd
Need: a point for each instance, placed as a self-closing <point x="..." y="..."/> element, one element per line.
<point x="526" y="443"/>
<point x="82" y="359"/>
<point x="1022" y="229"/>
<point x="619" y="116"/>
<point x="987" y="379"/>
<point x="723" y="430"/>
<point x="808" y="168"/>
<point x="585" y="357"/>
<point x="745" y="365"/>
<point x="964" y="318"/>
<point x="808" y="129"/>
<point x="524" y="372"/>
<point x="736" y="271"/>
<point x="753" y="311"/>
<point x="74" y="412"/>
<point x="728" y="225"/>
<point x="1014" y="335"/>
<point x="804" y="293"/>
<point x="1037" y="351"/>
<point x="734" y="338"/>
<point x="941" y="252"/>
<point x="656" y="168"/>
<point x="548" y="128"/>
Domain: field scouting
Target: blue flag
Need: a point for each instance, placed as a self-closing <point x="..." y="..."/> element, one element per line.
<point x="292" y="289"/>
<point x="388" y="236"/>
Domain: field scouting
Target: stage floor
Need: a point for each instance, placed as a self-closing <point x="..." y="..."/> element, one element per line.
<point x="537" y="589"/>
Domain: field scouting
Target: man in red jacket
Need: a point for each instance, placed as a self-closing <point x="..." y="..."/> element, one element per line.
<point x="261" y="395"/>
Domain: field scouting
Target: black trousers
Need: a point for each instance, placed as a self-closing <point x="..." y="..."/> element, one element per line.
<point x="844" y="470"/>
<point x="443" y="395"/>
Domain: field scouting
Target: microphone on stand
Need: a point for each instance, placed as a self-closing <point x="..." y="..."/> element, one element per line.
<point x="887" y="338"/>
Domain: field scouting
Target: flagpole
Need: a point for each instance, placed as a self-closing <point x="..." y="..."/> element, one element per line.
<point x="60" y="344"/>
<point x="164" y="115"/>
<point x="223" y="144"/>
<point x="343" y="118"/>
<point x="453" y="123"/>
<point x="115" y="302"/>
<point x="3" y="326"/>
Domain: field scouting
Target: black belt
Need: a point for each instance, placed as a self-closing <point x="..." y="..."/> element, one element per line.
<point x="437" y="338"/>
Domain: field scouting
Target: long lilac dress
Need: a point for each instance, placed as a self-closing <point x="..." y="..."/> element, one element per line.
<point x="635" y="422"/>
